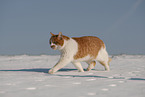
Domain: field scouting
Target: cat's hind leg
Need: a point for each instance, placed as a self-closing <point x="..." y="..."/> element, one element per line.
<point x="91" y="65"/>
<point x="105" y="64"/>
<point x="78" y="66"/>
<point x="103" y="58"/>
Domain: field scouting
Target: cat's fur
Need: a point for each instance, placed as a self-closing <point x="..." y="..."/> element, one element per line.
<point x="87" y="49"/>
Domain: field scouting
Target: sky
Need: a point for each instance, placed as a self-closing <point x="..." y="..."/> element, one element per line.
<point x="25" y="25"/>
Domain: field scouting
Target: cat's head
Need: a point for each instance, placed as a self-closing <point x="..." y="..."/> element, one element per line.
<point x="57" y="42"/>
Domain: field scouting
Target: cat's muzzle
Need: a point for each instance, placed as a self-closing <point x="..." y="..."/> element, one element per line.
<point x="53" y="47"/>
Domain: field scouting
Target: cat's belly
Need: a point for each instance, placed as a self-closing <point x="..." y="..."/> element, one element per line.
<point x="86" y="58"/>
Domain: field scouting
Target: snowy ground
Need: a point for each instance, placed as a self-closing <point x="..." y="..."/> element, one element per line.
<point x="26" y="76"/>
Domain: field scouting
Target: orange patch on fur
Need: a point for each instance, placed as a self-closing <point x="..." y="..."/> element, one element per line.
<point x="88" y="45"/>
<point x="65" y="37"/>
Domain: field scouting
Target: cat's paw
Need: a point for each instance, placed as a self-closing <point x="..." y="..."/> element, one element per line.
<point x="50" y="71"/>
<point x="88" y="69"/>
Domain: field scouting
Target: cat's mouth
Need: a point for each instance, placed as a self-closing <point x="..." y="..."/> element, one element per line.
<point x="53" y="47"/>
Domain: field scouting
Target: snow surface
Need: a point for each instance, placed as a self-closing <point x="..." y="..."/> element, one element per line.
<point x="26" y="76"/>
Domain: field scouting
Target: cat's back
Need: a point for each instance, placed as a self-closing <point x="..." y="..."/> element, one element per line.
<point x="89" y="41"/>
<point x="88" y="45"/>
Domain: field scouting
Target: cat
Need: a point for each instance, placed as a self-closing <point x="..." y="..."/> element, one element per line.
<point x="87" y="49"/>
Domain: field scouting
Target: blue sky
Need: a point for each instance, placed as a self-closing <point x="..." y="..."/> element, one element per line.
<point x="25" y="24"/>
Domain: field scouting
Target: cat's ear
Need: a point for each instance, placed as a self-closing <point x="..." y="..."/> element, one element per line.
<point x="60" y="35"/>
<point x="51" y="34"/>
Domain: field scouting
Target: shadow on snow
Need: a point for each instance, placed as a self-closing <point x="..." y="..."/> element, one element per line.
<point x="44" y="70"/>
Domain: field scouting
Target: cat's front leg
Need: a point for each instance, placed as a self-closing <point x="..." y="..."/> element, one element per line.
<point x="51" y="71"/>
<point x="63" y="62"/>
<point x="78" y="66"/>
<point x="56" y="68"/>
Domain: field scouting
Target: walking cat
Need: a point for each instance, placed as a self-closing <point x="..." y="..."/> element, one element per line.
<point x="87" y="49"/>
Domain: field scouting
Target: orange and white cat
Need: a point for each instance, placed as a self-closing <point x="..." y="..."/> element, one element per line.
<point x="87" y="49"/>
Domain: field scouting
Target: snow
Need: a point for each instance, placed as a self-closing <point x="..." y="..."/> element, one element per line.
<point x="26" y="76"/>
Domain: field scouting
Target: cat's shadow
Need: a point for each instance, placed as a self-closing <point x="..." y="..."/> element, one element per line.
<point x="43" y="70"/>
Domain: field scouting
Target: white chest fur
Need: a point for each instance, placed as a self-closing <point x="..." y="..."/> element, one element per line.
<point x="70" y="48"/>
